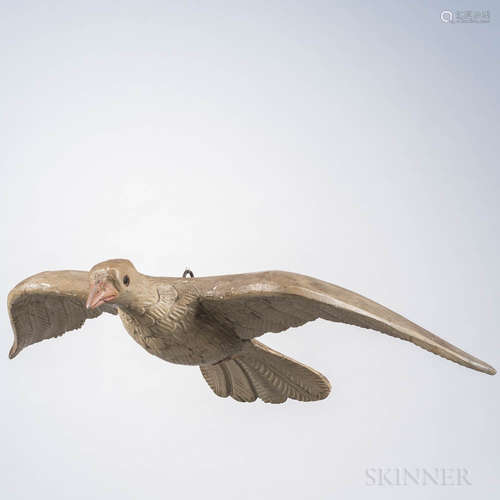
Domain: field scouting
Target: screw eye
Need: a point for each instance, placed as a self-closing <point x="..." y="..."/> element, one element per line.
<point x="126" y="280"/>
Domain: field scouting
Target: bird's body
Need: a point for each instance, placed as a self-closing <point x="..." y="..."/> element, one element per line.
<point x="211" y="322"/>
<point x="171" y="325"/>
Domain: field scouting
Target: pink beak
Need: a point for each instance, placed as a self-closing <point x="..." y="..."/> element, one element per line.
<point x="100" y="292"/>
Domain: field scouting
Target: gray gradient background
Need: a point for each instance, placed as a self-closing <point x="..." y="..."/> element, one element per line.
<point x="350" y="141"/>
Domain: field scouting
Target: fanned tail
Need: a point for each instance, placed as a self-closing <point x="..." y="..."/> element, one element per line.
<point x="260" y="372"/>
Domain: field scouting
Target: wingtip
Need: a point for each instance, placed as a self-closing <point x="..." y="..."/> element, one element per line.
<point x="485" y="368"/>
<point x="14" y="352"/>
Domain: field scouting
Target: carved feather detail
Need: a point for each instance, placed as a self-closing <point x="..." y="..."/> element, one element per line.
<point x="260" y="372"/>
<point x="48" y="305"/>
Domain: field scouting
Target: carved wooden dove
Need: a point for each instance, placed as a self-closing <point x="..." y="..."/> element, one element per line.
<point x="211" y="322"/>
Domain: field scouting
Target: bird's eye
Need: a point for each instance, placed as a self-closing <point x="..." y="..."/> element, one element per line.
<point x="126" y="280"/>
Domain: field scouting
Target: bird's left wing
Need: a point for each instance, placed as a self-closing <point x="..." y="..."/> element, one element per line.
<point x="49" y="304"/>
<point x="255" y="303"/>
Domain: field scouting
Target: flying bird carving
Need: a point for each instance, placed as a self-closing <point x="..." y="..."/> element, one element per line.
<point x="211" y="322"/>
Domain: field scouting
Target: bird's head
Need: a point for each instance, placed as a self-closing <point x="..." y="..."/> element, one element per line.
<point x="112" y="281"/>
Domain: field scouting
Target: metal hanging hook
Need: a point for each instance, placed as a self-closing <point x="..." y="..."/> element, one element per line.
<point x="187" y="273"/>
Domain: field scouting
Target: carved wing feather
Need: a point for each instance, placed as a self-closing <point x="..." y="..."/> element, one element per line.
<point x="49" y="304"/>
<point x="255" y="303"/>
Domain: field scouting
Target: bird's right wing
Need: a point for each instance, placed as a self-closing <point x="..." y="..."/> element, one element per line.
<point x="255" y="303"/>
<point x="49" y="304"/>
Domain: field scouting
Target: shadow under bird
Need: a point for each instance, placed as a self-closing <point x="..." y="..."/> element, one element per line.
<point x="211" y="322"/>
